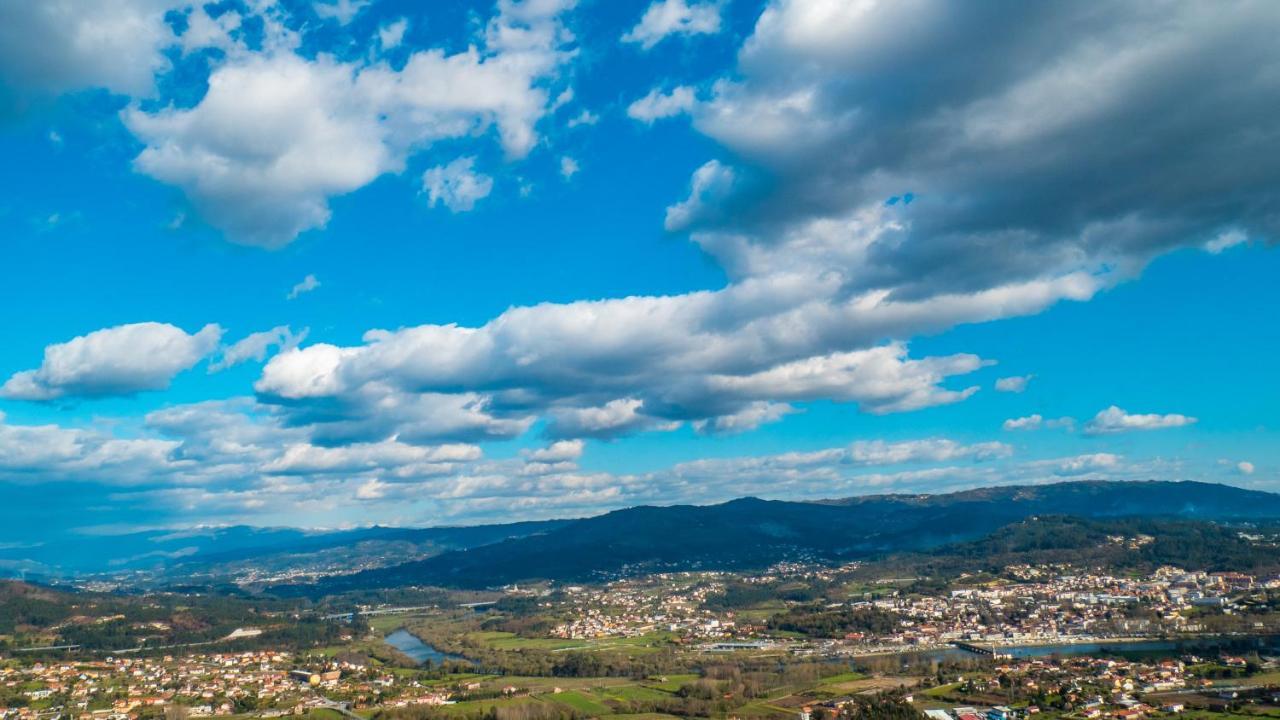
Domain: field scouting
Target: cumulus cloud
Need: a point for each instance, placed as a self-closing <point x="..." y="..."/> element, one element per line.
<point x="658" y="104"/>
<point x="1244" y="467"/>
<point x="755" y="414"/>
<point x="568" y="167"/>
<point x="256" y="345"/>
<point x="240" y="461"/>
<point x="586" y="117"/>
<point x="710" y="185"/>
<point x="880" y="452"/>
<point x="1115" y="420"/>
<point x="614" y="418"/>
<point x="560" y="456"/>
<point x="403" y="459"/>
<point x="48" y="453"/>
<point x="392" y="34"/>
<point x="1030" y="422"/>
<point x="118" y="360"/>
<point x="665" y="18"/>
<point x="457" y="185"/>
<point x="609" y="367"/>
<point x="559" y="451"/>
<point x="123" y="46"/>
<point x="343" y="11"/>
<point x="1014" y="384"/>
<point x="1080" y="464"/>
<point x="306" y="285"/>
<point x="1225" y="241"/>
<point x="372" y="489"/>
<point x="276" y="135"/>
<point x="64" y="45"/>
<point x="978" y="177"/>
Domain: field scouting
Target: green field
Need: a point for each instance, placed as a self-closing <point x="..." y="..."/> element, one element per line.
<point x="580" y="701"/>
<point x="842" y="678"/>
<point x="511" y="641"/>
<point x="672" y="682"/>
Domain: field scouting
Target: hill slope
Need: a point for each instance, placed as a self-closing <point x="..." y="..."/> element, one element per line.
<point x="750" y="532"/>
<point x="225" y="550"/>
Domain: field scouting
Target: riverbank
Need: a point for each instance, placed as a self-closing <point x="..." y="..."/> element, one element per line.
<point x="1078" y="645"/>
<point x="419" y="651"/>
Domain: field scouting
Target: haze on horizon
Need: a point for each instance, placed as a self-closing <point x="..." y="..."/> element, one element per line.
<point x="346" y="262"/>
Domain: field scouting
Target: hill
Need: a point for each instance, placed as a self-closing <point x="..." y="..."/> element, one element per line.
<point x="1122" y="544"/>
<point x="228" y="550"/>
<point x="751" y="533"/>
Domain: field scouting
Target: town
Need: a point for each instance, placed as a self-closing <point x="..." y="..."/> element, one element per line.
<point x="1047" y="640"/>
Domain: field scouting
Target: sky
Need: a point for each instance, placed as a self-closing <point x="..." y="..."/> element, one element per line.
<point x="344" y="262"/>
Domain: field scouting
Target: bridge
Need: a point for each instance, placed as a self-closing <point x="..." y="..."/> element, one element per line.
<point x="988" y="650"/>
<point x="379" y="611"/>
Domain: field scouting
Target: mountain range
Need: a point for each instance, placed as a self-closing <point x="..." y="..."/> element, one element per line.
<point x="739" y="534"/>
<point x="754" y="533"/>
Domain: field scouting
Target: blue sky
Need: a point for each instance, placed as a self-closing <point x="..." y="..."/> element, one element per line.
<point x="336" y="263"/>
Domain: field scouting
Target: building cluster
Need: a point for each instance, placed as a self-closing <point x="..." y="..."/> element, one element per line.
<point x="1032" y="605"/>
<point x="662" y="603"/>
<point x="1067" y="606"/>
<point x="266" y="683"/>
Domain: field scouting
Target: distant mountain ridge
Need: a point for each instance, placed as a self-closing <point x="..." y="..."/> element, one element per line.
<point x="750" y="532"/>
<point x="743" y="533"/>
<point x="217" y="549"/>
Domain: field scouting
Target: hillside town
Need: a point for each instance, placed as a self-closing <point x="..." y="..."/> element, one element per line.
<point x="1031" y="605"/>
<point x="262" y="683"/>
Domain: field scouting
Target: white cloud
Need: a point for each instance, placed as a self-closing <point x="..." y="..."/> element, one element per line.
<point x="613" y="367"/>
<point x="457" y="185"/>
<point x="205" y="31"/>
<point x="933" y="450"/>
<point x="237" y="461"/>
<point x="1226" y="240"/>
<point x="665" y="18"/>
<point x="47" y="453"/>
<point x="392" y="34"/>
<point x="1244" y="467"/>
<point x="344" y="11"/>
<point x="271" y="141"/>
<point x="1014" y="384"/>
<point x="568" y="167"/>
<point x="1080" y="464"/>
<point x="711" y="183"/>
<point x="372" y="489"/>
<point x="65" y="45"/>
<point x="119" y="360"/>
<point x="616" y="417"/>
<point x="1035" y="422"/>
<point x="981" y="170"/>
<point x="657" y="104"/>
<point x="277" y="135"/>
<point x="559" y="451"/>
<point x="750" y="417"/>
<point x="1116" y="420"/>
<point x="307" y="459"/>
<point x="586" y="117"/>
<point x="306" y="285"/>
<point x="1030" y="422"/>
<point x="256" y="345"/>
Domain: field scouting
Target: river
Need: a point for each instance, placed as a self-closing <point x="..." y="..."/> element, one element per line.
<point x="409" y="644"/>
<point x="1236" y="643"/>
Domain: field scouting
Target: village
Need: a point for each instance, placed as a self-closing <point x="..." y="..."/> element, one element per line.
<point x="1032" y="605"/>
<point x="261" y="683"/>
